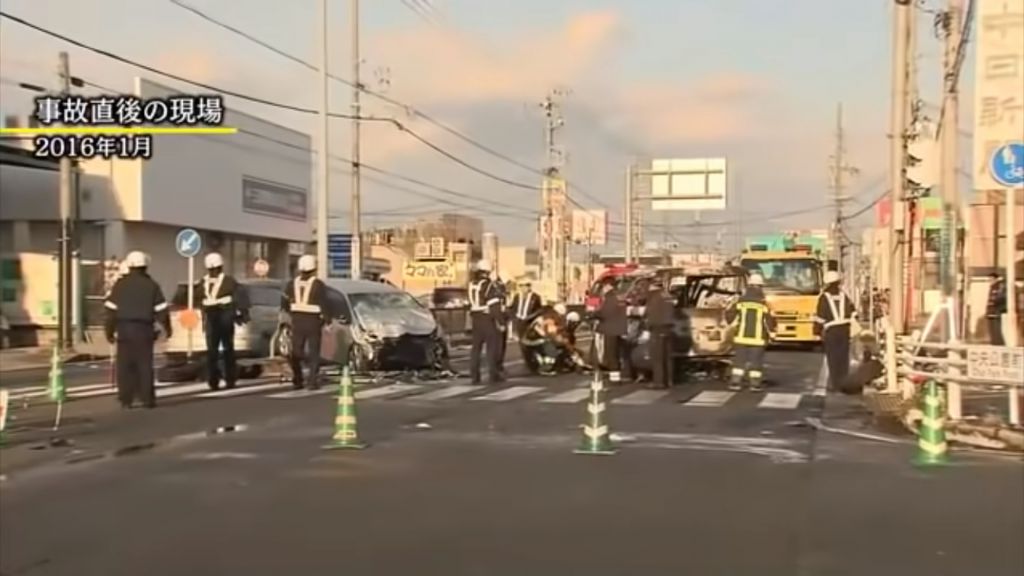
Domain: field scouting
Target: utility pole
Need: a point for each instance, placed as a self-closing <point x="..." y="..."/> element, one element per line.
<point x="64" y="330"/>
<point x="628" y="213"/>
<point x="554" y="197"/>
<point x="902" y="54"/>
<point x="322" y="156"/>
<point x="838" y="169"/>
<point x="357" y="229"/>
<point x="949" y="124"/>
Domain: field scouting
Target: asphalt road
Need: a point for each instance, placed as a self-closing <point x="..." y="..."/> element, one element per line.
<point x="484" y="482"/>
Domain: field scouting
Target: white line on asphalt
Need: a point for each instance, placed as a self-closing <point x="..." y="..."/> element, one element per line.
<point x="509" y="393"/>
<point x="242" y="390"/>
<point x="389" y="390"/>
<point x="76" y="391"/>
<point x="447" y="392"/>
<point x="570" y="397"/>
<point x="181" y="390"/>
<point x="28" y="391"/>
<point x="303" y="393"/>
<point x="713" y="398"/>
<point x="780" y="400"/>
<point x="640" y="397"/>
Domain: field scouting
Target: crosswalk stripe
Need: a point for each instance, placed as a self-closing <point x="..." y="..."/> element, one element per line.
<point x="169" y="392"/>
<point x="27" y="392"/>
<point x="640" y="397"/>
<point x="388" y="390"/>
<point x="780" y="400"/>
<point x="77" y="391"/>
<point x="447" y="392"/>
<point x="712" y="398"/>
<point x="302" y="393"/>
<point x="570" y="397"/>
<point x="242" y="390"/>
<point x="509" y="393"/>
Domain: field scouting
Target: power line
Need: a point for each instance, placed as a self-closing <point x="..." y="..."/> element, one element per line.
<point x="265" y="101"/>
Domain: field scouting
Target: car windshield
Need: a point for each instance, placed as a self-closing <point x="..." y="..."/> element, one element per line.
<point x="391" y="313"/>
<point x="374" y="303"/>
<point x="788" y="276"/>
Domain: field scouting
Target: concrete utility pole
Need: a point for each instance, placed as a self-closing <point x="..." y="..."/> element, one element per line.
<point x="902" y="55"/>
<point x="949" y="126"/>
<point x="555" y="258"/>
<point x="838" y="169"/>
<point x="322" y="156"/>
<point x="65" y="332"/>
<point x="357" y="228"/>
<point x="628" y="211"/>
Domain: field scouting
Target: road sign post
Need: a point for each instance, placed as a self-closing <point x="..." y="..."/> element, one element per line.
<point x="1007" y="169"/>
<point x="188" y="243"/>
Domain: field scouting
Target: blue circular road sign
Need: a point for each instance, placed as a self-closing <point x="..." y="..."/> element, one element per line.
<point x="1007" y="165"/>
<point x="188" y="243"/>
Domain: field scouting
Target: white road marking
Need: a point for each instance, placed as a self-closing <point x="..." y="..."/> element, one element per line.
<point x="570" y="397"/>
<point x="302" y="393"/>
<point x="389" y="390"/>
<point x="76" y="391"/>
<point x="712" y="398"/>
<point x="242" y="390"/>
<point x="447" y="392"/>
<point x="780" y="400"/>
<point x="641" y="397"/>
<point x="510" y="393"/>
<point x="181" y="390"/>
<point x="29" y="392"/>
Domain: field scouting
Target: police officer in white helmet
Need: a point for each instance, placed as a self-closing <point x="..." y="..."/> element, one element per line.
<point x="485" y="315"/>
<point x="225" y="304"/>
<point x="833" y="321"/>
<point x="305" y="299"/>
<point x="134" y="304"/>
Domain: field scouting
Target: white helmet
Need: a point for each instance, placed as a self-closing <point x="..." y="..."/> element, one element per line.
<point x="136" y="259"/>
<point x="572" y="317"/>
<point x="756" y="280"/>
<point x="831" y="277"/>
<point x="560" y="309"/>
<point x="307" y="263"/>
<point x="214" y="260"/>
<point x="122" y="268"/>
<point x="483" y="266"/>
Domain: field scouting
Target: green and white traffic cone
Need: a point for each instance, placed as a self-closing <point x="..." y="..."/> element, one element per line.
<point x="58" y="393"/>
<point x="931" y="438"/>
<point x="596" y="437"/>
<point x="345" y="434"/>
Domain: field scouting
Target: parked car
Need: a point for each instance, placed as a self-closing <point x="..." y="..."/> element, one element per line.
<point x="377" y="327"/>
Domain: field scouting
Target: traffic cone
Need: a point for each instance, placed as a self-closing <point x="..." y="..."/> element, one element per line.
<point x="58" y="393"/>
<point x="596" y="438"/>
<point x="345" y="435"/>
<point x="931" y="439"/>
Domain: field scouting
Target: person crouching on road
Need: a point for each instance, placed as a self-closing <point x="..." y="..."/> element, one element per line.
<point x="754" y="324"/>
<point x="305" y="299"/>
<point x="832" y="321"/>
<point x="134" y="304"/>
<point x="525" y="307"/>
<point x="485" y="316"/>
<point x="225" y="303"/>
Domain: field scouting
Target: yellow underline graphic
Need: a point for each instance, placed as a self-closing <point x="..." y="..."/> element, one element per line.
<point x="118" y="130"/>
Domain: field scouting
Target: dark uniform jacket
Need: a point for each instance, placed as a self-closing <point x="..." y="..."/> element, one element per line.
<point x="660" y="313"/>
<point x="485" y="298"/>
<point x="306" y="297"/>
<point x="751" y="317"/>
<point x="224" y="298"/>
<point x="835" y="308"/>
<point x="612" y="315"/>
<point x="525" y="307"/>
<point x="136" y="297"/>
<point x="996" y="299"/>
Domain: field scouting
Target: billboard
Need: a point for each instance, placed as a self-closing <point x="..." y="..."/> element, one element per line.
<point x="590" y="227"/>
<point x="998" y="83"/>
<point x="688" y="184"/>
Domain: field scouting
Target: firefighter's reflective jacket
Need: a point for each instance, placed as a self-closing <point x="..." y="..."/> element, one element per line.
<point x="752" y="318"/>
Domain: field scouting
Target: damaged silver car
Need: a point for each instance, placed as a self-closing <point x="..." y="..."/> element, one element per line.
<point x="378" y="327"/>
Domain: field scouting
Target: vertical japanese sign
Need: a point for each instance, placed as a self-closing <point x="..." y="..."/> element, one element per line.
<point x="999" y="83"/>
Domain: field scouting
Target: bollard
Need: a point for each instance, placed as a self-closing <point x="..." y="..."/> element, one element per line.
<point x="346" y="436"/>
<point x="58" y="393"/>
<point x="931" y="437"/>
<point x="596" y="437"/>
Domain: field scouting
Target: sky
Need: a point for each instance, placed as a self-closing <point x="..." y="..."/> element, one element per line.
<point x="754" y="81"/>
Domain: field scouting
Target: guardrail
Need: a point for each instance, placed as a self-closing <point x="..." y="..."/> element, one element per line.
<point x="955" y="364"/>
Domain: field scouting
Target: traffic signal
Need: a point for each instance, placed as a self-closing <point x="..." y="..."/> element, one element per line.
<point x="922" y="166"/>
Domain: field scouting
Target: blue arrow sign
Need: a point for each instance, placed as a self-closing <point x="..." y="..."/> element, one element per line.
<point x="188" y="243"/>
<point x="1007" y="165"/>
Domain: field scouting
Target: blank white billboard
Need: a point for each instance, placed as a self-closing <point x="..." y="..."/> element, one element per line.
<point x="688" y="184"/>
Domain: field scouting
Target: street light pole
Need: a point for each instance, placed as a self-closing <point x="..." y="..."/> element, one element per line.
<point x="322" y="156"/>
<point x="357" y="240"/>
